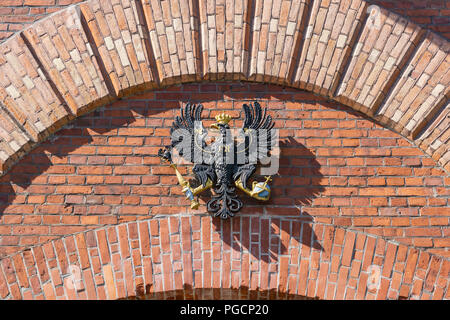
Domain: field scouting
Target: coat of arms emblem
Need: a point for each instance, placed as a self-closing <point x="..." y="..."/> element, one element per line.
<point x="225" y="163"/>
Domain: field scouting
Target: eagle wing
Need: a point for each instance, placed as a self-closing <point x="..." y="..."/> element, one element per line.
<point x="255" y="118"/>
<point x="257" y="130"/>
<point x="189" y="135"/>
<point x="258" y="139"/>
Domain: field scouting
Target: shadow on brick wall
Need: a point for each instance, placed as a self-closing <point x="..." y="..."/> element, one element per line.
<point x="269" y="238"/>
<point x="190" y="293"/>
<point x="53" y="151"/>
<point x="30" y="175"/>
<point x="283" y="213"/>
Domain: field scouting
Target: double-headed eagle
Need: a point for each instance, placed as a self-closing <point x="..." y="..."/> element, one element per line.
<point x="223" y="164"/>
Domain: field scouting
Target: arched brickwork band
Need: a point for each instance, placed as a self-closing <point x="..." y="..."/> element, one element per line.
<point x="248" y="253"/>
<point x="97" y="51"/>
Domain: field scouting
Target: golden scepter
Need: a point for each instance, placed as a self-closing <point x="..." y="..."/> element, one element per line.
<point x="187" y="190"/>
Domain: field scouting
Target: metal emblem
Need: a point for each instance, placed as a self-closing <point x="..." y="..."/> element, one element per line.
<point x="225" y="163"/>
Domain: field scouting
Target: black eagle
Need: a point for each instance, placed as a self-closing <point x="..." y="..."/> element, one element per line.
<point x="220" y="161"/>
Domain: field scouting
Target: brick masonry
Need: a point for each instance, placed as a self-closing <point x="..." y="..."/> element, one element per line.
<point x="15" y="15"/>
<point x="250" y="254"/>
<point x="366" y="57"/>
<point x="365" y="149"/>
<point x="432" y="14"/>
<point x="338" y="170"/>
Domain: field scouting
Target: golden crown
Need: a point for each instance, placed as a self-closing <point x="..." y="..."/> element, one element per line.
<point x="223" y="118"/>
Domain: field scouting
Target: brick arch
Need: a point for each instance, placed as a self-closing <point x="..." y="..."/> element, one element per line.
<point x="95" y="52"/>
<point x="250" y="254"/>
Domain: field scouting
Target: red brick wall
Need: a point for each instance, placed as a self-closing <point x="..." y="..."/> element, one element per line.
<point x="15" y="15"/>
<point x="336" y="168"/>
<point x="432" y="14"/>
<point x="196" y="257"/>
<point x="350" y="194"/>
